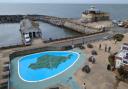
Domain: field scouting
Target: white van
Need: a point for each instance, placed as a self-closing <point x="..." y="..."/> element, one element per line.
<point x="27" y="39"/>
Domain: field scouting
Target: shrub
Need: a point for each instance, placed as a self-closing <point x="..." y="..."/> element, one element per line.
<point x="89" y="45"/>
<point x="118" y="37"/>
<point x="111" y="59"/>
<point x="86" y="69"/>
<point x="81" y="47"/>
<point x="94" y="52"/>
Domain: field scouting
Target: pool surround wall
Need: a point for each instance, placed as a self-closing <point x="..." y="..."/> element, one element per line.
<point x="17" y="83"/>
<point x="28" y="51"/>
<point x="53" y="75"/>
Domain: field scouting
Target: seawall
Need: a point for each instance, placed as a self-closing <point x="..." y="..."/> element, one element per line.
<point x="70" y="23"/>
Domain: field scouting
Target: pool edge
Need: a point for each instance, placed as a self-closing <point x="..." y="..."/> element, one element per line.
<point x="51" y="76"/>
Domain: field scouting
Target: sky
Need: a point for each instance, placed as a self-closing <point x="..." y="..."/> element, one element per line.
<point x="64" y="1"/>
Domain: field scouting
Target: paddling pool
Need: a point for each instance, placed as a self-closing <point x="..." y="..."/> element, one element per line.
<point x="36" y="75"/>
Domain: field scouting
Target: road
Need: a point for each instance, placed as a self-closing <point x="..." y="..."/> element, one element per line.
<point x="90" y="39"/>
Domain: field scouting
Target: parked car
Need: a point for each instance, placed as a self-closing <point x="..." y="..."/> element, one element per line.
<point x="27" y="39"/>
<point x="120" y="24"/>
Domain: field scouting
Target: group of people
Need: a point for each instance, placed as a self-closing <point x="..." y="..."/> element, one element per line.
<point x="84" y="86"/>
<point x="106" y="48"/>
<point x="93" y="59"/>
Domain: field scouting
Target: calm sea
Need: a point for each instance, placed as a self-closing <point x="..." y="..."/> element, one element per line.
<point x="9" y="33"/>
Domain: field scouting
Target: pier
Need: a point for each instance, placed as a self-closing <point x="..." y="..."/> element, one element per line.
<point x="69" y="23"/>
<point x="56" y="21"/>
<point x="29" y="30"/>
<point x="91" y="22"/>
<point x="10" y="18"/>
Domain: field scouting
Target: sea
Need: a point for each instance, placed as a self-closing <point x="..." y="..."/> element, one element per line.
<point x="10" y="35"/>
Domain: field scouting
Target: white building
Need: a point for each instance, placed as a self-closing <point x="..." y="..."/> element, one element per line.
<point x="30" y="27"/>
<point x="122" y="56"/>
<point x="94" y="15"/>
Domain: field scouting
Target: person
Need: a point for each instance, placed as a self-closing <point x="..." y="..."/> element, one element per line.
<point x="84" y="86"/>
<point x="100" y="46"/>
<point x="105" y="48"/>
<point x="109" y="49"/>
<point x="70" y="78"/>
<point x="93" y="59"/>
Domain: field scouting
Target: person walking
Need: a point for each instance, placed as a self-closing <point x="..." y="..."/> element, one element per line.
<point x="109" y="49"/>
<point x="84" y="86"/>
<point x="100" y="46"/>
<point x="105" y="48"/>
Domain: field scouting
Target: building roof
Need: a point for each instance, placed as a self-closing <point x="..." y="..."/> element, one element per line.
<point x="126" y="44"/>
<point x="123" y="55"/>
<point x="93" y="9"/>
<point x="26" y="25"/>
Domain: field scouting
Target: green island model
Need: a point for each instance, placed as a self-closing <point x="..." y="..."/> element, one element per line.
<point x="49" y="61"/>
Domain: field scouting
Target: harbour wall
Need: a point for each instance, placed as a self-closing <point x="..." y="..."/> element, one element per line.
<point x="80" y="28"/>
<point x="71" y="38"/>
<point x="10" y="18"/>
<point x="31" y="51"/>
<point x="57" y="45"/>
<point x="56" y="21"/>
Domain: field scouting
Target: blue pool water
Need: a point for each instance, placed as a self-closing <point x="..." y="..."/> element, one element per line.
<point x="30" y="75"/>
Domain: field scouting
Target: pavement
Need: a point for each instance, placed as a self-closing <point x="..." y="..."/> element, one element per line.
<point x="4" y="54"/>
<point x="99" y="77"/>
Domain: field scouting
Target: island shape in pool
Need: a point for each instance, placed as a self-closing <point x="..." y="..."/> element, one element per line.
<point x="49" y="61"/>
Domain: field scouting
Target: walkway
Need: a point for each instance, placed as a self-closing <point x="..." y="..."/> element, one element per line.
<point x="63" y="79"/>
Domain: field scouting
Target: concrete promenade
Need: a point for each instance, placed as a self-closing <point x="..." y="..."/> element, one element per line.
<point x="4" y="53"/>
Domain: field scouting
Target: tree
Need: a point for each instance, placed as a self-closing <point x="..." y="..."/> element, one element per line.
<point x="111" y="60"/>
<point x="94" y="52"/>
<point x="86" y="69"/>
<point x="118" y="37"/>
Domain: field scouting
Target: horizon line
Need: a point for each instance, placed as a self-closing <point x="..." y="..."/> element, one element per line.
<point x="54" y="3"/>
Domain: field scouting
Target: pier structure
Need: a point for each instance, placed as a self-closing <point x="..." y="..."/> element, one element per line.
<point x="94" y="15"/>
<point x="29" y="29"/>
<point x="92" y="21"/>
<point x="88" y="28"/>
<point x="10" y="18"/>
<point x="81" y="28"/>
<point x="56" y="21"/>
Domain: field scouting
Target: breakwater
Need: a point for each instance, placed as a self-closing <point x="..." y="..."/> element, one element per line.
<point x="53" y="20"/>
<point x="80" y="28"/>
<point x="71" y="38"/>
<point x="48" y="19"/>
<point x="56" y="21"/>
<point x="10" y="18"/>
